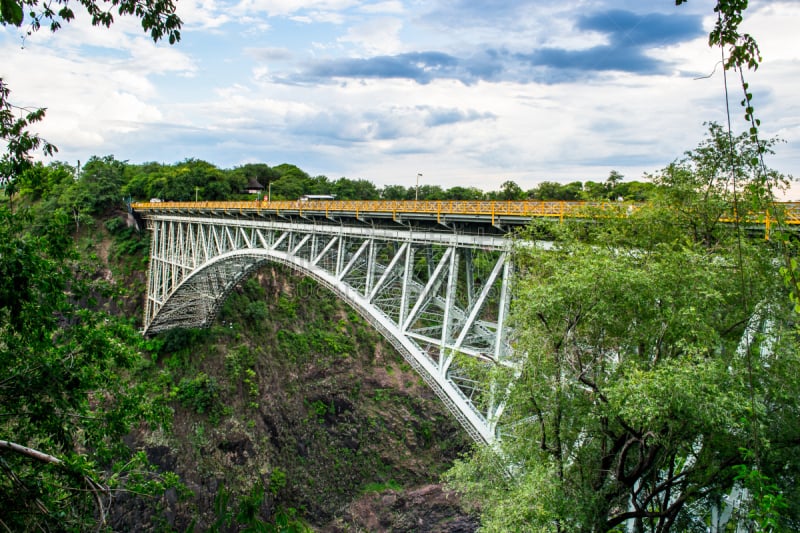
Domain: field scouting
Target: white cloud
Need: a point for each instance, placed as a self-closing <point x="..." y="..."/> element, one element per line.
<point x="387" y="7"/>
<point x="202" y="14"/>
<point x="276" y="8"/>
<point x="376" y="37"/>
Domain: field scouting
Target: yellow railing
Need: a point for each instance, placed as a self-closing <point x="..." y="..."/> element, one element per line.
<point x="486" y="208"/>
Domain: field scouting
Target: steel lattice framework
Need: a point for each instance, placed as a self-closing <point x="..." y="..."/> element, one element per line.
<point x="440" y="298"/>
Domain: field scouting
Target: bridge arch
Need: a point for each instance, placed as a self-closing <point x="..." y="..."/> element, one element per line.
<point x="429" y="318"/>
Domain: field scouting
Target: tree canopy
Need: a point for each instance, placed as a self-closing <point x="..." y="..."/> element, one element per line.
<point x="67" y="392"/>
<point x="658" y="368"/>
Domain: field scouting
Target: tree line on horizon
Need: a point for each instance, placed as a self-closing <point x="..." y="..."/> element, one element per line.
<point x="105" y="181"/>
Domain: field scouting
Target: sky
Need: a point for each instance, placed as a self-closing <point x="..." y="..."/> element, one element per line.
<point x="448" y="92"/>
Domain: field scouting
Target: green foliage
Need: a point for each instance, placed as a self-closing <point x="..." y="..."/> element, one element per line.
<point x="277" y="480"/>
<point x="67" y="383"/>
<point x="742" y="48"/>
<point x="640" y="381"/>
<point x="245" y="514"/>
<point x="238" y="360"/>
<point x="157" y="18"/>
<point x="397" y="192"/>
<point x="382" y="486"/>
<point x="189" y="180"/>
<point x="715" y="181"/>
<point x="509" y="190"/>
<point x="293" y="346"/>
<point x="287" y="307"/>
<point x="768" y="502"/>
<point x="39" y="182"/>
<point x="181" y="339"/>
<point x="98" y="187"/>
<point x="257" y="311"/>
<point x="13" y="127"/>
<point x="199" y="393"/>
<point x="128" y="241"/>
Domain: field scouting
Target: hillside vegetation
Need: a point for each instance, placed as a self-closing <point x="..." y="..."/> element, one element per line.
<point x="290" y="412"/>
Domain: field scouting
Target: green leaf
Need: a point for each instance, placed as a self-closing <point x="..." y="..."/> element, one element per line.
<point x="11" y="12"/>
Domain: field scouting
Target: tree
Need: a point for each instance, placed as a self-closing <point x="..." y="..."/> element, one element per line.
<point x="99" y="185"/>
<point x="612" y="182"/>
<point x="347" y="189"/>
<point x="292" y="184"/>
<point x="593" y="190"/>
<point x="430" y="192"/>
<point x="719" y="179"/>
<point x="397" y="192"/>
<point x="139" y="179"/>
<point x="572" y="191"/>
<point x="464" y="193"/>
<point x="40" y="181"/>
<point x="634" y="191"/>
<point x="651" y="356"/>
<point x="19" y="141"/>
<point x="260" y="171"/>
<point x="546" y="190"/>
<point x="66" y="394"/>
<point x="509" y="190"/>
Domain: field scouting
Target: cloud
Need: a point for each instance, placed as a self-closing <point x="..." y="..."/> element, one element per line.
<point x="598" y="58"/>
<point x="376" y="36"/>
<point x="446" y="116"/>
<point x="628" y="44"/>
<point x="389" y="6"/>
<point x="419" y="66"/>
<point x="310" y="10"/>
<point x="628" y="29"/>
<point x="630" y="38"/>
<point x="268" y="55"/>
<point x="202" y="14"/>
<point x="383" y="124"/>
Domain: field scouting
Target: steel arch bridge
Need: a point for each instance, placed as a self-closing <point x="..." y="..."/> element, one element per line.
<point x="438" y="290"/>
<point x="432" y="277"/>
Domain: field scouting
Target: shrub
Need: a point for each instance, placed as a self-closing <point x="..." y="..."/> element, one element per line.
<point x="199" y="393"/>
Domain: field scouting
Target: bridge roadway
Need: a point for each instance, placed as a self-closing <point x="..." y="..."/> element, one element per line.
<point x="503" y="214"/>
<point x="433" y="277"/>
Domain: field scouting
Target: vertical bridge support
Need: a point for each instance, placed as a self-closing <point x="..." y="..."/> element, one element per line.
<point x="440" y="298"/>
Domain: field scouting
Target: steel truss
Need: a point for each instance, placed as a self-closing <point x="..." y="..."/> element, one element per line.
<point x="440" y="298"/>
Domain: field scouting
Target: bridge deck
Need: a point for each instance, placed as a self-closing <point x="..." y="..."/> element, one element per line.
<point x="505" y="213"/>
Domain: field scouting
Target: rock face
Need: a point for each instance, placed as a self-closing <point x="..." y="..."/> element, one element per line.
<point x="428" y="508"/>
<point x="291" y="404"/>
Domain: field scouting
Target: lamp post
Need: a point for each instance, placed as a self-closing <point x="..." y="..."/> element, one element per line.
<point x="195" y="193"/>
<point x="416" y="194"/>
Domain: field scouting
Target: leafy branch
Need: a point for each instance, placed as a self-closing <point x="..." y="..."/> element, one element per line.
<point x="157" y="16"/>
<point x="18" y="140"/>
